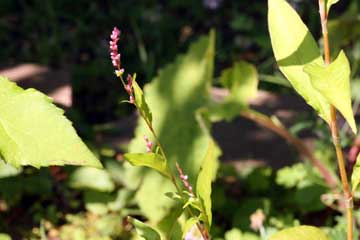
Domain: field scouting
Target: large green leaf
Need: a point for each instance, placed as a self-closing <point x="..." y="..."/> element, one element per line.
<point x="151" y="160"/>
<point x="35" y="132"/>
<point x="294" y="47"/>
<point x="333" y="82"/>
<point x="145" y="231"/>
<point x="176" y="93"/>
<point x="203" y="185"/>
<point x="300" y="233"/>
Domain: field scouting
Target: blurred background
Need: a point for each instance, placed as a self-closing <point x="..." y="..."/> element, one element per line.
<point x="61" y="48"/>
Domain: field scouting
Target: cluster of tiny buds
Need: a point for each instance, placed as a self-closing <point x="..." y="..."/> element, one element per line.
<point x="149" y="144"/>
<point x="114" y="54"/>
<point x="184" y="179"/>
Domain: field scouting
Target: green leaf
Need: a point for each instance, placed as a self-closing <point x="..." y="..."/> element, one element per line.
<point x="203" y="185"/>
<point x="35" y="132"/>
<point x="144" y="230"/>
<point x="333" y="82"/>
<point x="151" y="160"/>
<point x="300" y="233"/>
<point x="294" y="47"/>
<point x="329" y="3"/>
<point x="176" y="93"/>
<point x="355" y="176"/>
<point x="291" y="176"/>
<point x="242" y="81"/>
<point x="169" y="226"/>
<point x="91" y="178"/>
<point x="140" y="101"/>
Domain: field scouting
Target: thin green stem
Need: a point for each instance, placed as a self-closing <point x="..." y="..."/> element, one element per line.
<point x="335" y="131"/>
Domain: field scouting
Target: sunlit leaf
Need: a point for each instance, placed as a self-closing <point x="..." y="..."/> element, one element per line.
<point x="151" y="160"/>
<point x="144" y="230"/>
<point x="294" y="47"/>
<point x="300" y="233"/>
<point x="203" y="185"/>
<point x="33" y="131"/>
<point x="333" y="82"/>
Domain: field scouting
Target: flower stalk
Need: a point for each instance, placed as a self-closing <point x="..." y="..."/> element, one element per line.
<point x="128" y="86"/>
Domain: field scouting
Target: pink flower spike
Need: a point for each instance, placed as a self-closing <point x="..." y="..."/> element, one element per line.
<point x="115" y="56"/>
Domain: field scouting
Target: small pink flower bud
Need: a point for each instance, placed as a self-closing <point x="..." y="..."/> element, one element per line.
<point x="119" y="73"/>
<point x="149" y="144"/>
<point x="131" y="99"/>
